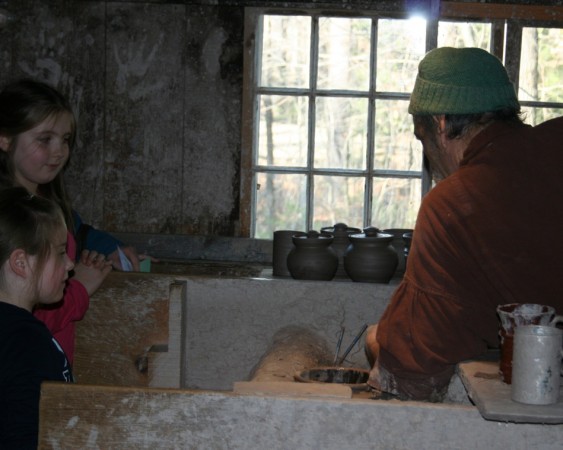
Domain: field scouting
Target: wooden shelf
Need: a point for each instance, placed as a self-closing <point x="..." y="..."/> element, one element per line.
<point x="500" y="11"/>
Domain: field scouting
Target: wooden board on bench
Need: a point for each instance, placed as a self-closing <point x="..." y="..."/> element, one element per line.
<point x="130" y="335"/>
<point x="492" y="396"/>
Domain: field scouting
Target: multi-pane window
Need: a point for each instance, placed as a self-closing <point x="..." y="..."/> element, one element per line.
<point x="331" y="138"/>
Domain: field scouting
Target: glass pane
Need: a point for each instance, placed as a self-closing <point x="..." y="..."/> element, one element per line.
<point x="280" y="203"/>
<point x="400" y="47"/>
<point x="535" y="116"/>
<point x="464" y="34"/>
<point x="284" y="60"/>
<point x="395" y="202"/>
<point x="282" y="139"/>
<point x="344" y="46"/>
<point x="541" y="65"/>
<point x="340" y="133"/>
<point x="338" y="199"/>
<point x="395" y="147"/>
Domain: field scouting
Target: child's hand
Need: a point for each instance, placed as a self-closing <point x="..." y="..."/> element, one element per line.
<point x="132" y="256"/>
<point x="91" y="257"/>
<point x="91" y="270"/>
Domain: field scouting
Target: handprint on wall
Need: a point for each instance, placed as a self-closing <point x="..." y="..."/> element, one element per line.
<point x="134" y="61"/>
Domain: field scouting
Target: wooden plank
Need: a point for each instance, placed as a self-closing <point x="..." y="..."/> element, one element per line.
<point x="106" y="417"/>
<point x="83" y="416"/>
<point x="492" y="396"/>
<point x="292" y="389"/>
<point x="501" y="11"/>
<point x="166" y="362"/>
<point x="126" y="332"/>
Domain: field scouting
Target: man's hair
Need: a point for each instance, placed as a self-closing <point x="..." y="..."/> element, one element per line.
<point x="457" y="125"/>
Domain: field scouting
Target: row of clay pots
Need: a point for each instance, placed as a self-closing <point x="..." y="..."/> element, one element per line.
<point x="338" y="251"/>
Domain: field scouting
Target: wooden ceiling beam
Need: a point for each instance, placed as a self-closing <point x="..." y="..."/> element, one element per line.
<point x="501" y="11"/>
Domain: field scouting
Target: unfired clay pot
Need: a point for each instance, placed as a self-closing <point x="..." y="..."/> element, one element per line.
<point x="312" y="258"/>
<point x="341" y="233"/>
<point x="283" y="244"/>
<point x="371" y="257"/>
<point x="400" y="245"/>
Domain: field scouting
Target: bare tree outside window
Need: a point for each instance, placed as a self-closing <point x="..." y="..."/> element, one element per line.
<point x="541" y="72"/>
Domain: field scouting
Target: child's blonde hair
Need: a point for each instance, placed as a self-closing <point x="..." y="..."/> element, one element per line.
<point x="24" y="104"/>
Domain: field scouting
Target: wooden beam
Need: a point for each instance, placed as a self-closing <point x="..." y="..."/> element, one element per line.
<point x="292" y="389"/>
<point x="83" y="416"/>
<point x="497" y="39"/>
<point x="497" y="11"/>
<point x="131" y="334"/>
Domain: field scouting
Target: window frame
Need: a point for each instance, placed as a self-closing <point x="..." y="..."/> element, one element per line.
<point x="506" y="20"/>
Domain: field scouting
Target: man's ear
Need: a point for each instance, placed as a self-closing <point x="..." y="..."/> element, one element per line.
<point x="441" y="128"/>
<point x="5" y="142"/>
<point x="19" y="263"/>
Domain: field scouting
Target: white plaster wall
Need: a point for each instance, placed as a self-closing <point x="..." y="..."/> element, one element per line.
<point x="229" y="323"/>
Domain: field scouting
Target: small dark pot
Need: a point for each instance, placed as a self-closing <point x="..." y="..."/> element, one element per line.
<point x="371" y="257"/>
<point x="341" y="233"/>
<point x="399" y="244"/>
<point x="312" y="258"/>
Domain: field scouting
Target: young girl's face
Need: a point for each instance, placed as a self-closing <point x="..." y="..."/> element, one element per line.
<point x="41" y="153"/>
<point x="53" y="278"/>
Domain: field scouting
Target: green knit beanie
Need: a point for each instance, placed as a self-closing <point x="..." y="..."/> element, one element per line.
<point x="461" y="81"/>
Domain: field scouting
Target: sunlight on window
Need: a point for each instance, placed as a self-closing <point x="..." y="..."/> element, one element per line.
<point x="416" y="27"/>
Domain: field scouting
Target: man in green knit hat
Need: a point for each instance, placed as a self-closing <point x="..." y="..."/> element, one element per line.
<point x="490" y="232"/>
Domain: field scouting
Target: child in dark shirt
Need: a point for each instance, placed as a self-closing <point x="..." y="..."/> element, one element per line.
<point x="34" y="267"/>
